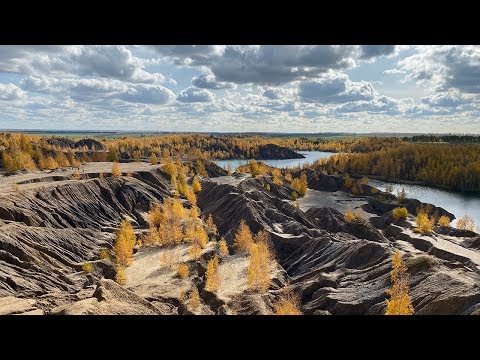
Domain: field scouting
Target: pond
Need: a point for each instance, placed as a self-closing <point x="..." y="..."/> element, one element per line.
<point x="310" y="157"/>
<point x="457" y="203"/>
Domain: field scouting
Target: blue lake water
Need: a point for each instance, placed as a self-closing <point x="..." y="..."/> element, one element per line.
<point x="310" y="157"/>
<point x="457" y="203"/>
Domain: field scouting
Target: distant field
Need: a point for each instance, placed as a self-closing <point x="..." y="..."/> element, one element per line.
<point x="95" y="135"/>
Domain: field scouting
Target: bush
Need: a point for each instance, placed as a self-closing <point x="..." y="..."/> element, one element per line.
<point x="424" y="223"/>
<point x="401" y="195"/>
<point x="300" y="185"/>
<point x="15" y="187"/>
<point x="183" y="271"/>
<point x="349" y="216"/>
<point x="348" y="182"/>
<point x="287" y="304"/>
<point x="294" y="195"/>
<point x="422" y="262"/>
<point x="104" y="254"/>
<point x="400" y="213"/>
<point x="116" y="169"/>
<point x="243" y="238"/>
<point x="87" y="267"/>
<point x="444" y="220"/>
<point x="466" y="223"/>
<point x="212" y="276"/>
<point x="121" y="276"/>
<point x="195" y="251"/>
<point x="267" y="186"/>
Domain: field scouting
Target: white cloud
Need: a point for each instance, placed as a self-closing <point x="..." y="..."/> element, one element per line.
<point x="193" y="94"/>
<point x="393" y="71"/>
<point x="207" y="80"/>
<point x="10" y="92"/>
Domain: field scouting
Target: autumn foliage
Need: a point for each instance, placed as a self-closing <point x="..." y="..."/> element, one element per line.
<point x="400" y="302"/>
<point x="424" y="223"/>
<point x="243" y="238"/>
<point x="444" y="220"/>
<point x="400" y="213"/>
<point x="466" y="222"/>
<point x="116" y="169"/>
<point x="287" y="304"/>
<point x="212" y="276"/>
<point x="124" y="243"/>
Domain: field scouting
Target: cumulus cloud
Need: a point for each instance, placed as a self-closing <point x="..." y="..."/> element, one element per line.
<point x="393" y="71"/>
<point x="193" y="94"/>
<point x="445" y="67"/>
<point x="10" y="92"/>
<point x="450" y="98"/>
<point x="336" y="90"/>
<point x="207" y="80"/>
<point x="370" y="51"/>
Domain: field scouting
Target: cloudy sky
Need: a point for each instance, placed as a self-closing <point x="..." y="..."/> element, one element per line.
<point x="381" y="88"/>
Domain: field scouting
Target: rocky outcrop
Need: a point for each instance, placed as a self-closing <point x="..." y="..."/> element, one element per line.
<point x="91" y="144"/>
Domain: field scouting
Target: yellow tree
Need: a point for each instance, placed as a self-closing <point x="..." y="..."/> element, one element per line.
<point x="212" y="276"/>
<point x="153" y="159"/>
<point x="400" y="302"/>
<point x="254" y="170"/>
<point x="196" y="186"/>
<point x="210" y="225"/>
<point x="243" y="238"/>
<point x="258" y="272"/>
<point x="124" y="243"/>
<point x="222" y="248"/>
<point x="116" y="169"/>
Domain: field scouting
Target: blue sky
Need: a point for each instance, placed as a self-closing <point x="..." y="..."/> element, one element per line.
<point x="325" y="88"/>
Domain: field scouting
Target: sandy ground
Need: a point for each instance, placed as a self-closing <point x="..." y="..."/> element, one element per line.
<point x="338" y="200"/>
<point x="231" y="180"/>
<point x="6" y="182"/>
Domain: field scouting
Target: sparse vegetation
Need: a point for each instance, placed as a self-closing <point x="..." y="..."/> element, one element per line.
<point x="401" y="195"/>
<point x="104" y="254"/>
<point x="287" y="304"/>
<point x="153" y="159"/>
<point x="258" y="271"/>
<point x="194" y="299"/>
<point x="300" y="185"/>
<point x="466" y="222"/>
<point x="294" y="196"/>
<point x="254" y="171"/>
<point x="87" y="267"/>
<point x="349" y="216"/>
<point x="15" y="187"/>
<point x="400" y="302"/>
<point x="400" y="213"/>
<point x="116" y="169"/>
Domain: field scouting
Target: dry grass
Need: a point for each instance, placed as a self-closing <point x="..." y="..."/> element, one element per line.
<point x="169" y="258"/>
<point x="287" y="304"/>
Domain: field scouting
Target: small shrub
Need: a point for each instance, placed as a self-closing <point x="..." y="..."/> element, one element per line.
<point x="424" y="223"/>
<point x="466" y="223"/>
<point x="294" y="195"/>
<point x="116" y="169"/>
<point x="253" y="167"/>
<point x="374" y="190"/>
<point x="15" y="187"/>
<point x="444" y="220"/>
<point x="400" y="213"/>
<point x="76" y="175"/>
<point x="401" y="195"/>
<point x="287" y="304"/>
<point x="421" y="263"/>
<point x="349" y="216"/>
<point x="348" y="182"/>
<point x="400" y="302"/>
<point x="153" y="159"/>
<point x="101" y="176"/>
<point x="121" y="276"/>
<point x="267" y="186"/>
<point x="389" y="188"/>
<point x="129" y="174"/>
<point x="104" y="254"/>
<point x="87" y="267"/>
<point x="183" y="271"/>
<point x="364" y="180"/>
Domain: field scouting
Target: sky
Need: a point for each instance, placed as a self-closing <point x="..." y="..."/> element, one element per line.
<point x="229" y="88"/>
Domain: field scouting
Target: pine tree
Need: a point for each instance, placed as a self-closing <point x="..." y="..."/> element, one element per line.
<point x="116" y="169"/>
<point x="196" y="186"/>
<point x="222" y="248"/>
<point x="124" y="243"/>
<point x="153" y="159"/>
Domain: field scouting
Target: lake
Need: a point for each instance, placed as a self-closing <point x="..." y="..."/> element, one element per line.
<point x="457" y="203"/>
<point x="310" y="157"/>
